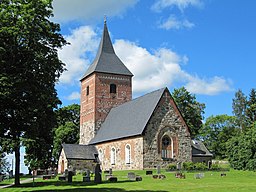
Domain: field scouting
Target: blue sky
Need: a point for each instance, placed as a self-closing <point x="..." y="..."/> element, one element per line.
<point x="208" y="46"/>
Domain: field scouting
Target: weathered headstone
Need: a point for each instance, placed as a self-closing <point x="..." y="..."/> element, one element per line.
<point x="209" y="164"/>
<point x="66" y="173"/>
<point x="149" y="172"/>
<point x="87" y="176"/>
<point x="70" y="174"/>
<point x="178" y="166"/>
<point x="131" y="176"/>
<point x="97" y="177"/>
<point x="158" y="169"/>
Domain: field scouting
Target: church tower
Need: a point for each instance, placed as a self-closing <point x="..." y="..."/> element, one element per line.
<point x="106" y="83"/>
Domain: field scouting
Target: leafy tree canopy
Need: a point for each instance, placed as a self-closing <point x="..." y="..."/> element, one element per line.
<point x="242" y="150"/>
<point x="244" y="108"/>
<point x="191" y="110"/>
<point x="29" y="69"/>
<point x="68" y="127"/>
<point x="216" y="131"/>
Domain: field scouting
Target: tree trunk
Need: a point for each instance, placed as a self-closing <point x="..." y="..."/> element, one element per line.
<point x="17" y="163"/>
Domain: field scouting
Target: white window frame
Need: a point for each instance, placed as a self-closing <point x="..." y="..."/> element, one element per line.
<point x="101" y="155"/>
<point x="113" y="156"/>
<point x="128" y="154"/>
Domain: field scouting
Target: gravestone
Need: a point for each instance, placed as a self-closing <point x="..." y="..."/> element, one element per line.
<point x="131" y="176"/>
<point x="209" y="164"/>
<point x="70" y="174"/>
<point x="199" y="175"/>
<point x="97" y="177"/>
<point x="66" y="173"/>
<point x="178" y="166"/>
<point x="158" y="169"/>
<point x="112" y="179"/>
<point x="87" y="176"/>
<point x="138" y="178"/>
<point x="149" y="172"/>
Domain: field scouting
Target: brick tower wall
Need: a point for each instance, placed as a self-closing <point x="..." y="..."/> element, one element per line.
<point x="96" y="106"/>
<point x="87" y="110"/>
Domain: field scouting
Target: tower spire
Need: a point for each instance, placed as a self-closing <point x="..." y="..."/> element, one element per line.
<point x="105" y="19"/>
<point x="106" y="60"/>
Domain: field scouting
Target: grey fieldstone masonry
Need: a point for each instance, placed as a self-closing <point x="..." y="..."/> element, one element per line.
<point x="165" y="121"/>
<point x="87" y="132"/>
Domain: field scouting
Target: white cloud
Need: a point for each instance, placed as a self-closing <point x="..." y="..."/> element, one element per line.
<point x="67" y="10"/>
<point x="181" y="4"/>
<point x="152" y="70"/>
<point x="74" y="96"/>
<point x="173" y="23"/>
<point x="163" y="68"/>
<point x="83" y="42"/>
<point x="211" y="86"/>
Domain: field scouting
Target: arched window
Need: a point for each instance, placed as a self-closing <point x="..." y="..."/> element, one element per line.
<point x="127" y="154"/>
<point x="101" y="155"/>
<point x="112" y="88"/>
<point x="167" y="147"/>
<point x="87" y="90"/>
<point x="113" y="156"/>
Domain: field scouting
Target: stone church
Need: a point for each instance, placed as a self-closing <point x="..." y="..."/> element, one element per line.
<point x="122" y="133"/>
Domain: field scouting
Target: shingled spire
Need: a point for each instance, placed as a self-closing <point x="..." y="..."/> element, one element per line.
<point x="106" y="60"/>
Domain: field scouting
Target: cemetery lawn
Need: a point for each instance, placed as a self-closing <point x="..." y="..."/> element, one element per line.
<point x="234" y="181"/>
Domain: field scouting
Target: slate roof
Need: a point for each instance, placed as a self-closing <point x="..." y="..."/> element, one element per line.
<point x="128" y="119"/>
<point x="75" y="151"/>
<point x="199" y="149"/>
<point x="106" y="60"/>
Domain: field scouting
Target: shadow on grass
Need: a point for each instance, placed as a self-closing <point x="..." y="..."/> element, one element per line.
<point x="78" y="186"/>
<point x="103" y="190"/>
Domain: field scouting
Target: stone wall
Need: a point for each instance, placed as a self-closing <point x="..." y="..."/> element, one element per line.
<point x="202" y="159"/>
<point x="136" y="144"/>
<point x="166" y="120"/>
<point x="81" y="164"/>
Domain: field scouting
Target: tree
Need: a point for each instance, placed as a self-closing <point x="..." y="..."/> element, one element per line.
<point x="4" y="165"/>
<point x="242" y="150"/>
<point x="239" y="106"/>
<point x="191" y="110"/>
<point x="251" y="107"/>
<point x="68" y="125"/>
<point x="245" y="109"/>
<point x="216" y="132"/>
<point x="29" y="69"/>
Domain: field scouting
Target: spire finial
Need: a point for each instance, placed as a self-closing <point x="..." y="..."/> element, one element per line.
<point x="105" y="19"/>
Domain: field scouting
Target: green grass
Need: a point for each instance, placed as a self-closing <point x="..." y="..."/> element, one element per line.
<point x="10" y="181"/>
<point x="235" y="181"/>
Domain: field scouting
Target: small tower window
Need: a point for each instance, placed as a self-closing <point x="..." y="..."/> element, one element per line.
<point x="112" y="88"/>
<point x="87" y="90"/>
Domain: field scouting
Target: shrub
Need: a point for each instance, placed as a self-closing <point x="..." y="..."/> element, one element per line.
<point x="200" y="166"/>
<point x="215" y="167"/>
<point x="172" y="167"/>
<point x="188" y="166"/>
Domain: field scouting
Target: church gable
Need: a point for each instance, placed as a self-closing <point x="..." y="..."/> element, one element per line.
<point x="166" y="137"/>
<point x="128" y="119"/>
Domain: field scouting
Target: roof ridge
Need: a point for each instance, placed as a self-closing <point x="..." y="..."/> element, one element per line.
<point x="131" y="121"/>
<point x="141" y="97"/>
